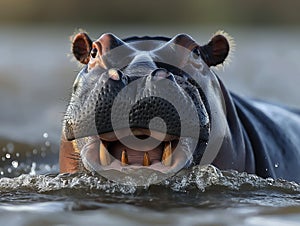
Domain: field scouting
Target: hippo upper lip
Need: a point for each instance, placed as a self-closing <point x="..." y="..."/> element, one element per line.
<point x="111" y="136"/>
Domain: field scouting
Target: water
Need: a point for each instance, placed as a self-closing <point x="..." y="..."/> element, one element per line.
<point x="35" y="82"/>
<point x="200" y="196"/>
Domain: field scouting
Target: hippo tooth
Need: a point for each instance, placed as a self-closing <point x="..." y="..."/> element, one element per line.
<point x="167" y="155"/>
<point x="146" y="160"/>
<point x="124" y="158"/>
<point x="104" y="155"/>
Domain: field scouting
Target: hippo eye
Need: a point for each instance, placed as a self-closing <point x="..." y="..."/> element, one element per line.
<point x="94" y="52"/>
<point x="196" y="53"/>
<point x="196" y="59"/>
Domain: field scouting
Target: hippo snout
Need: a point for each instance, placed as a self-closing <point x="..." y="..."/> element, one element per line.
<point x="122" y="100"/>
<point x="136" y="104"/>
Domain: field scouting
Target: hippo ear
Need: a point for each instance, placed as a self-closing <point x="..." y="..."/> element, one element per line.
<point x="216" y="51"/>
<point x="81" y="47"/>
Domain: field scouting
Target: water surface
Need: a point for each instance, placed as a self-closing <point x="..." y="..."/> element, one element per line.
<point x="200" y="196"/>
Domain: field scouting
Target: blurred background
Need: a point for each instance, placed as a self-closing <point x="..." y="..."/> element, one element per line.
<point x="37" y="71"/>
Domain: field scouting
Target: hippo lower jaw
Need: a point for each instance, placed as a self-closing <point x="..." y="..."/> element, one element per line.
<point x="106" y="152"/>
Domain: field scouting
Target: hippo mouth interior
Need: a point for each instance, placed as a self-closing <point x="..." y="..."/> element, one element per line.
<point x="108" y="152"/>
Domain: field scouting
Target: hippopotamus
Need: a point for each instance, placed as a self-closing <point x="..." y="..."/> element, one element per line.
<point x="155" y="103"/>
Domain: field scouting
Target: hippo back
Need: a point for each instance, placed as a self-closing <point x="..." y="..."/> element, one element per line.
<point x="273" y="135"/>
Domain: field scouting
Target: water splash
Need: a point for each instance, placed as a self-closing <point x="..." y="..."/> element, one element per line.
<point x="199" y="179"/>
<point x="209" y="177"/>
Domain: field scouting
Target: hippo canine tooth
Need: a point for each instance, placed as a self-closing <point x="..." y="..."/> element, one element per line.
<point x="104" y="155"/>
<point x="146" y="160"/>
<point x="124" y="158"/>
<point x="167" y="154"/>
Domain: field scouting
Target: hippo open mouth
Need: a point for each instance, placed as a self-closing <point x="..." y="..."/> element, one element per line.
<point x="106" y="152"/>
<point x="137" y="104"/>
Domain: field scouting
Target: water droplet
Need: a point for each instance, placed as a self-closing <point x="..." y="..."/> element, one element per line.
<point x="47" y="168"/>
<point x="34" y="151"/>
<point x="15" y="164"/>
<point x="266" y="169"/>
<point x="47" y="143"/>
<point x="276" y="165"/>
<point x="7" y="156"/>
<point x="17" y="154"/>
<point x="32" y="170"/>
<point x="9" y="170"/>
<point x="3" y="159"/>
<point x="2" y="173"/>
<point x="45" y="135"/>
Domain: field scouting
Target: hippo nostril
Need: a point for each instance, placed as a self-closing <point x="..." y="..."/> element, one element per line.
<point x="160" y="73"/>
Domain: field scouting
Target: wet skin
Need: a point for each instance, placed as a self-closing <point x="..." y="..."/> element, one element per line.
<point x="125" y="84"/>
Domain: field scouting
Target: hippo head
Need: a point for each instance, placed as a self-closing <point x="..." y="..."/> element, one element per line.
<point x="141" y="104"/>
